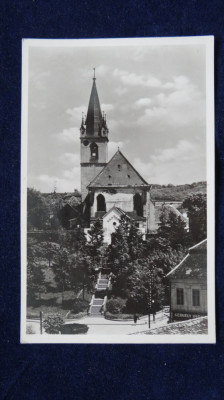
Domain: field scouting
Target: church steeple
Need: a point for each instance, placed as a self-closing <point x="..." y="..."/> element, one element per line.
<point x="94" y="140"/>
<point x="95" y="123"/>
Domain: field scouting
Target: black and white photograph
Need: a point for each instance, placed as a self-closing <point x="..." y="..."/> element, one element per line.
<point x="117" y="191"/>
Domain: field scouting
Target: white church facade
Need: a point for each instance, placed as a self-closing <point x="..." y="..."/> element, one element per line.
<point x="114" y="188"/>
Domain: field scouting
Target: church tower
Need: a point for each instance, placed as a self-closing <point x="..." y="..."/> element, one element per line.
<point x="94" y="141"/>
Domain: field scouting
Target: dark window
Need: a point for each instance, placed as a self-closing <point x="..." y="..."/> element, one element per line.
<point x="180" y="296"/>
<point x="138" y="206"/>
<point x="101" y="204"/>
<point x="196" y="297"/>
<point x="119" y="167"/>
<point x="94" y="151"/>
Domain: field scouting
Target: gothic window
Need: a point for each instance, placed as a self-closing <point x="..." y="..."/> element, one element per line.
<point x="138" y="206"/>
<point x="101" y="204"/>
<point x="94" y="151"/>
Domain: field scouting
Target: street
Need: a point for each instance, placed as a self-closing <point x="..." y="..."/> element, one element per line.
<point x="102" y="326"/>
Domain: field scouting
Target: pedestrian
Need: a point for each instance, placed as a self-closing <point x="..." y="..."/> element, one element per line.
<point x="135" y="318"/>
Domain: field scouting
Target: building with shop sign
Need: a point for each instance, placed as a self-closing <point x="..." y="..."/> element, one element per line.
<point x="188" y="285"/>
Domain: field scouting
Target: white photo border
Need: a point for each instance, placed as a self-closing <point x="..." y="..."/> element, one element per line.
<point x="208" y="41"/>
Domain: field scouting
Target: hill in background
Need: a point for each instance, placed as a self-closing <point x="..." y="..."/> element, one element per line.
<point x="176" y="192"/>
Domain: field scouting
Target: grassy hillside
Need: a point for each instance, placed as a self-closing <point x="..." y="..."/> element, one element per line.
<point x="178" y="192"/>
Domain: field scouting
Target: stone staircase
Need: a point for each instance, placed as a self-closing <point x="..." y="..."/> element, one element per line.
<point x="96" y="307"/>
<point x="97" y="303"/>
<point x="102" y="284"/>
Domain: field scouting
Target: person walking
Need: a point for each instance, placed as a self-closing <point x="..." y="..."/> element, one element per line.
<point x="135" y="318"/>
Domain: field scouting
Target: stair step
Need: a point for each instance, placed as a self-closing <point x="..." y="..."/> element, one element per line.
<point x="95" y="311"/>
<point x="98" y="302"/>
<point x="103" y="281"/>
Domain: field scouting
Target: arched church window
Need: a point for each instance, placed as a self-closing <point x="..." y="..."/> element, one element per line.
<point x="94" y="151"/>
<point x="101" y="204"/>
<point x="138" y="206"/>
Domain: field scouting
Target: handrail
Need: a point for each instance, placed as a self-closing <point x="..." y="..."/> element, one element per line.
<point x="90" y="304"/>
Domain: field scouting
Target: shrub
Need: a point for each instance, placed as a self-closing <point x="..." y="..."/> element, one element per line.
<point x="78" y="306"/>
<point x="29" y="330"/>
<point x="118" y="316"/>
<point x="74" y="329"/>
<point x="53" y="323"/>
<point x="116" y="305"/>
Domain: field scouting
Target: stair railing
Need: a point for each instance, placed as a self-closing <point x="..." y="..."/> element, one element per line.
<point x="103" y="308"/>
<point x="90" y="304"/>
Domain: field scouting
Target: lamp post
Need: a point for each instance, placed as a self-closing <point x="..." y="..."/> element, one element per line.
<point x="150" y="287"/>
<point x="41" y="322"/>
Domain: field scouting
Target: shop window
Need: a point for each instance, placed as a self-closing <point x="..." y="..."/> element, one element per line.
<point x="138" y="206"/>
<point x="196" y="297"/>
<point x="180" y="296"/>
<point x="101" y="204"/>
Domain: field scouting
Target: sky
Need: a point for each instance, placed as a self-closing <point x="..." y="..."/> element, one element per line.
<point x="154" y="98"/>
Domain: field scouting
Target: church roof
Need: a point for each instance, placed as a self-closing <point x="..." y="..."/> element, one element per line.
<point x="118" y="173"/>
<point x="94" y="117"/>
<point x="194" y="265"/>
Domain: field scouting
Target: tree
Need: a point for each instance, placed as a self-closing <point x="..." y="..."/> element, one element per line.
<point x="35" y="274"/>
<point x="62" y="270"/>
<point x="82" y="272"/>
<point x="196" y="204"/>
<point x="76" y="240"/>
<point x="36" y="209"/>
<point x="172" y="229"/>
<point x="135" y="242"/>
<point x="145" y="288"/>
<point x="53" y="324"/>
<point x="95" y="242"/>
<point x="126" y="247"/>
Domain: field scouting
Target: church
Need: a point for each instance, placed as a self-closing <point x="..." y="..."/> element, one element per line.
<point x="111" y="188"/>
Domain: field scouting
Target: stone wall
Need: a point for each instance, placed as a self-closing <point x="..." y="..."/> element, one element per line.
<point x="121" y="198"/>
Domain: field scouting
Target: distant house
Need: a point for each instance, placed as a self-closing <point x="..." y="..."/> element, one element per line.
<point x="67" y="213"/>
<point x="188" y="285"/>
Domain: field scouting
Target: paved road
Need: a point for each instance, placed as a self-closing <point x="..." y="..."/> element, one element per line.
<point x="102" y="326"/>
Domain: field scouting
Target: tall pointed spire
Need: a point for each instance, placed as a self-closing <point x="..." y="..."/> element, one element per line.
<point x="94" y="119"/>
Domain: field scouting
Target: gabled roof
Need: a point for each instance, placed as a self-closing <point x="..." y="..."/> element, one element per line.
<point x="194" y="265"/>
<point x="129" y="214"/>
<point x="114" y="209"/>
<point x="118" y="173"/>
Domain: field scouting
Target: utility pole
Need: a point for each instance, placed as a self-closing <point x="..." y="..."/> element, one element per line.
<point x="41" y="322"/>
